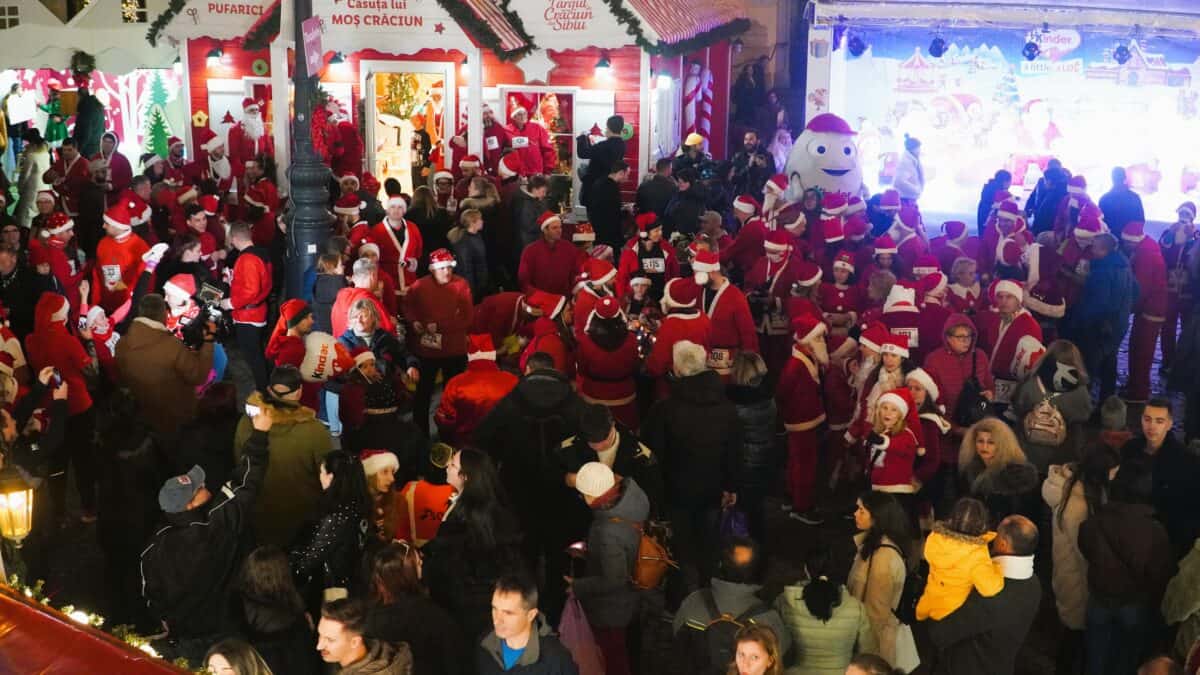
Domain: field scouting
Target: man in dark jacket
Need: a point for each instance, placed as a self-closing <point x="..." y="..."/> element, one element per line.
<point x="1050" y="192"/>
<point x="601" y="156"/>
<point x="605" y="211"/>
<point x="1121" y="205"/>
<point x="523" y="433"/>
<point x="528" y="204"/>
<point x="1161" y="471"/>
<point x="187" y="568"/>
<point x="982" y="636"/>
<point x="16" y="292"/>
<point x="1129" y="564"/>
<point x="601" y="439"/>
<point x="1099" y="321"/>
<point x="686" y="207"/>
<point x="655" y="193"/>
<point x="522" y="641"/>
<point x="89" y="122"/>
<point x="753" y="166"/>
<point x="696" y="434"/>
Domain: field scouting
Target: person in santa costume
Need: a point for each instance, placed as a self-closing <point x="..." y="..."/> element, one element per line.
<point x="496" y="140"/>
<point x="347" y="210"/>
<point x="637" y="303"/>
<point x="469" y="167"/>
<point x="745" y="207"/>
<point x="769" y="286"/>
<point x="932" y="290"/>
<point x="120" y="173"/>
<point x="180" y="293"/>
<point x="902" y="316"/>
<point x="883" y="259"/>
<point x="118" y="260"/>
<point x="261" y="216"/>
<point x="841" y="299"/>
<point x="924" y="266"/>
<point x="1010" y="225"/>
<point x="1067" y="215"/>
<point x="385" y="286"/>
<point x="855" y="229"/>
<point x="726" y="306"/>
<point x="550" y="332"/>
<point x="548" y="264"/>
<point x="69" y="175"/>
<point x="747" y="245"/>
<point x="248" y="138"/>
<point x="249" y="287"/>
<point x="469" y="396"/>
<point x="47" y="254"/>
<point x="439" y="310"/>
<point x="646" y="256"/>
<point x="964" y="296"/>
<point x="1011" y="338"/>
<point x="607" y="361"/>
<point x="594" y="281"/>
<point x="802" y="411"/>
<point x="683" y="320"/>
<point x="443" y="191"/>
<point x="893" y="445"/>
<point x="583" y="236"/>
<point x="531" y="142"/>
<point x="285" y="346"/>
<point x="1176" y="243"/>
<point x="347" y="152"/>
<point x="175" y="170"/>
<point x="1149" y="310"/>
<point x="196" y="218"/>
<point x="1076" y="252"/>
<point x="400" y="244"/>
<point x="955" y="242"/>
<point x="884" y="375"/>
<point x="503" y="315"/>
<point x="213" y="164"/>
<point x="1043" y="297"/>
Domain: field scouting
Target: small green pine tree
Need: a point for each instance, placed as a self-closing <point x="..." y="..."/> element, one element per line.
<point x="158" y="91"/>
<point x="158" y="131"/>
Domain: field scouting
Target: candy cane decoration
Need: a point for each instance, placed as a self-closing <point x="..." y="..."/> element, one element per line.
<point x="691" y="98"/>
<point x="704" y="122"/>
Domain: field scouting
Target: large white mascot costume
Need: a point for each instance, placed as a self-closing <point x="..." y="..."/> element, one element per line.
<point x="825" y="157"/>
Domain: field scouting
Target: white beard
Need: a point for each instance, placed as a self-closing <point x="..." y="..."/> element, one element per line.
<point x="254" y="127"/>
<point x="221" y="168"/>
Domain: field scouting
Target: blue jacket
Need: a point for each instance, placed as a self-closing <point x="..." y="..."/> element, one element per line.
<point x="1107" y="299"/>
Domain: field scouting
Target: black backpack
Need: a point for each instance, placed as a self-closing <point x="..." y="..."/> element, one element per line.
<point x="709" y="648"/>
<point x="914" y="588"/>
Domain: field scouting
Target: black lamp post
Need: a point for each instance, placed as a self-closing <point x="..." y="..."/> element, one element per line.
<point x="309" y="177"/>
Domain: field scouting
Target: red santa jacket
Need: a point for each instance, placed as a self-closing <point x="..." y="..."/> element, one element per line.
<point x="445" y="312"/>
<point x="691" y="325"/>
<point x="836" y="299"/>
<point x="240" y="147"/>
<point x="905" y="320"/>
<point x="836" y="389"/>
<point x="931" y="325"/>
<point x="546" y="338"/>
<point x="495" y="139"/>
<point x="120" y="175"/>
<point x="798" y="393"/>
<point x="732" y="326"/>
<point x="908" y="249"/>
<point x="606" y="377"/>
<point x="498" y="315"/>
<point x="548" y="268"/>
<point x="948" y="250"/>
<point x="71" y="178"/>
<point x="50" y="344"/>
<point x="747" y="247"/>
<point x="892" y="470"/>
<point x="632" y="264"/>
<point x="469" y="397"/>
<point x="532" y="144"/>
<point x="1150" y="269"/>
<point x="250" y="286"/>
<point x="201" y="170"/>
<point x="345" y="299"/>
<point x="963" y="299"/>
<point x="775" y="279"/>
<point x="1005" y="343"/>
<point x="399" y="254"/>
<point x="118" y="266"/>
<point x="347" y="150"/>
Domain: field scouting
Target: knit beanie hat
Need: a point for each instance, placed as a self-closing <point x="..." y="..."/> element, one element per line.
<point x="1113" y="414"/>
<point x="594" y="479"/>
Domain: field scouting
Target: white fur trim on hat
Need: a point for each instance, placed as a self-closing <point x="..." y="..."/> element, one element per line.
<point x="95" y="314"/>
<point x="895" y="400"/>
<point x="482" y="356"/>
<point x="1011" y="287"/>
<point x="443" y="174"/>
<point x="124" y="227"/>
<point x="926" y="382"/>
<point x="346" y="211"/>
<point x="380" y="461"/>
<point x="743" y="206"/>
<point x="60" y="314"/>
<point x="397" y="201"/>
<point x="698" y="266"/>
<point x="444" y="263"/>
<point x="364" y="357"/>
<point x="775" y="248"/>
<point x="645" y="281"/>
<point x="843" y="265"/>
<point x="889" y="348"/>
<point x="171" y="289"/>
<point x="369" y="245"/>
<point x="550" y="221"/>
<point x="68" y="225"/>
<point x="213" y="143"/>
<point x="583" y="236"/>
<point x="816" y="332"/>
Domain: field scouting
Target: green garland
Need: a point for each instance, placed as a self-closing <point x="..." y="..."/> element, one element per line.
<point x="633" y="27"/>
<point x="264" y="30"/>
<point x="160" y="22"/>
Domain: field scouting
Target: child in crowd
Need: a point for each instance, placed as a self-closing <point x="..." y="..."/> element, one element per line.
<point x="957" y="552"/>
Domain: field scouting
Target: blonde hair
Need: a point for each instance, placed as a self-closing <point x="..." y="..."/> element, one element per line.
<point x="748" y="369"/>
<point x="878" y="425"/>
<point x="1008" y="450"/>
<point x="961" y="263"/>
<point x="765" y="637"/>
<point x="363" y="305"/>
<point x="469" y="217"/>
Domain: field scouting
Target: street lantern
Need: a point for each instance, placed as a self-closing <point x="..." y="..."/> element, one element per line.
<point x="16" y="506"/>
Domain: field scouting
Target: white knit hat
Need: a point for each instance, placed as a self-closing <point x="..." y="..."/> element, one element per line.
<point x="594" y="479"/>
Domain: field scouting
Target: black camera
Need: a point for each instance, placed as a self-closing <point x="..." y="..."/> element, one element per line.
<point x="208" y="299"/>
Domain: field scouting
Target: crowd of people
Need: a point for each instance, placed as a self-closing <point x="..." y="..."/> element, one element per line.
<point x="484" y="411"/>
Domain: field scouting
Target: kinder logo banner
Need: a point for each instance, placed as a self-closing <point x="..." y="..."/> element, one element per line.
<point x="1057" y="43"/>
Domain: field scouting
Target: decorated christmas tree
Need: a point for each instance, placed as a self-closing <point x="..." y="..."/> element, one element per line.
<point x="1006" y="90"/>
<point x="158" y="131"/>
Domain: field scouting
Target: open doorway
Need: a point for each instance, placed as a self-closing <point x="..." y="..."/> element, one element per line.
<point x="407" y="126"/>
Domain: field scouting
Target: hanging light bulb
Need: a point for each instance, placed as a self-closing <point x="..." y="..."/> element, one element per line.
<point x="214" y="57"/>
<point x="604" y="66"/>
<point x="337" y="59"/>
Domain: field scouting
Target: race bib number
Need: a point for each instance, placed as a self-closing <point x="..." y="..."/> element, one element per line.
<point x="112" y="274"/>
<point x="910" y="333"/>
<point x="111" y="342"/>
<point x="519" y="142"/>
<point x="431" y="340"/>
<point x="491" y="142"/>
<point x="720" y="359"/>
<point x="654" y="265"/>
<point x="1004" y="390"/>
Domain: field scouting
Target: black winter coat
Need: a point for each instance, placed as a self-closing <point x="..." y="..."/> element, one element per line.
<point x="1011" y="490"/>
<point x="655" y="194"/>
<point x="325" y="291"/>
<point x="697" y="436"/>
<point x="980" y="636"/>
<point x="430" y="632"/>
<point x="634" y="459"/>
<point x="684" y="211"/>
<point x="759" y="457"/>
<point x="330" y="555"/>
<point x="601" y="156"/>
<point x="284" y="639"/>
<point x="471" y="252"/>
<point x="1170" y="480"/>
<point x="1128" y="554"/>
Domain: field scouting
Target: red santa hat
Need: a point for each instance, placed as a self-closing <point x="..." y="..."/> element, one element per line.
<point x="548" y="304"/>
<point x="606" y="308"/>
<point x="679" y="293"/>
<point x="777" y="241"/>
<point x="397" y="200"/>
<point x="374" y="461"/>
<point x="1134" y="232"/>
<point x="746" y="204"/>
<point x="213" y="142"/>
<point x="646" y="222"/>
<point x="640" y="281"/>
<point x="704" y="263"/>
<point x="441" y="258"/>
<point x="895" y="344"/>
<point x="777" y="185"/>
<point x="370" y="183"/>
<point x="173" y="141"/>
<point x="902" y="400"/>
<point x="935" y="285"/>
<point x="443" y="175"/>
<point x="1077" y="185"/>
<point x="874" y="335"/>
<point x="832" y="230"/>
<point x="362" y="355"/>
<point x="900" y="299"/>
<point x="828" y="123"/>
<point x="1010" y="286"/>
<point x="368" y="246"/>
<point x="1186" y="210"/>
<point x="925" y="265"/>
<point x="210" y="204"/>
<point x="347" y="176"/>
<point x="480" y="347"/>
<point x="58" y="223"/>
<point x="119" y="216"/>
<point x="469" y="162"/>
<point x="844" y="261"/>
<point x="349" y="205"/>
<point x="255" y="197"/>
<point x="909" y="217"/>
<point x="1089" y="225"/>
<point x="509" y="166"/>
<point x="249" y="104"/>
<point x="926" y="381"/>
<point x="854" y="205"/>
<point x="189" y="193"/>
<point x="808" y="273"/>
<point x="856" y="227"/>
<point x="889" y="200"/>
<point x="139" y="210"/>
<point x="583" y="232"/>
<point x="50" y="196"/>
<point x="955" y="230"/>
<point x="1009" y="211"/>
<point x="791" y="218"/>
<point x="547" y="219"/>
<point x="807" y="327"/>
<point x="884" y="244"/>
<point x="58" y="306"/>
<point x="180" y="286"/>
<point x="833" y="204"/>
<point x="595" y="273"/>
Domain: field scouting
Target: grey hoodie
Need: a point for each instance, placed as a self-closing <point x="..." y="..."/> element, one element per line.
<point x="607" y="596"/>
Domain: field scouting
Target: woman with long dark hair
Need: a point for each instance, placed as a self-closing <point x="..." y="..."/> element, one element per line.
<point x="433" y="221"/>
<point x="476" y="544"/>
<point x="234" y="657"/>
<point x="329" y="558"/>
<point x="273" y="617"/>
<point x="400" y="611"/>
<point x="828" y="624"/>
<point x="877" y="575"/>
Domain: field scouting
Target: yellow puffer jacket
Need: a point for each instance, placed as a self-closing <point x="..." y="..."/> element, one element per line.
<point x="957" y="563"/>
